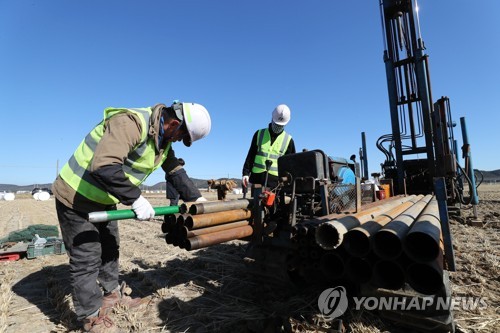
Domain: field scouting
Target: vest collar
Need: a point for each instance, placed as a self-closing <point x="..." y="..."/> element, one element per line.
<point x="154" y="124"/>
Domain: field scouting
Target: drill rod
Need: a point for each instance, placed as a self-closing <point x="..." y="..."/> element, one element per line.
<point x="122" y="214"/>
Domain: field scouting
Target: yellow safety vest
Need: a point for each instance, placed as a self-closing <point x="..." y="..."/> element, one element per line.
<point x="138" y="165"/>
<point x="266" y="151"/>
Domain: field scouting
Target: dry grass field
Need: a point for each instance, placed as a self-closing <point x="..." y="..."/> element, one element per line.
<point x="210" y="290"/>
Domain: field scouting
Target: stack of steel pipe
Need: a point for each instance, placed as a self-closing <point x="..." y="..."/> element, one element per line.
<point x="389" y="244"/>
<point x="359" y="244"/>
<point x="390" y="262"/>
<point x="425" y="248"/>
<point x="310" y="260"/>
<point x="330" y="234"/>
<point x="208" y="223"/>
<point x="358" y="241"/>
<point x="318" y="242"/>
<point x="196" y="208"/>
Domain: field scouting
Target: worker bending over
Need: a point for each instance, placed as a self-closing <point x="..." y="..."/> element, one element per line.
<point x="106" y="169"/>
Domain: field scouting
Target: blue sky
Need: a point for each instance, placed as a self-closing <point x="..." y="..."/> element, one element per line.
<point x="63" y="62"/>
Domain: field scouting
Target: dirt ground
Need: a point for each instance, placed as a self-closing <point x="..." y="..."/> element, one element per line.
<point x="210" y="290"/>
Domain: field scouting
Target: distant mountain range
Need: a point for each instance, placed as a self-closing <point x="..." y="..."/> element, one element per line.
<point x="491" y="176"/>
<point x="488" y="176"/>
<point x="199" y="183"/>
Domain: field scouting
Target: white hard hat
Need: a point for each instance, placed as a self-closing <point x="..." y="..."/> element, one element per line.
<point x="281" y="115"/>
<point x="197" y="122"/>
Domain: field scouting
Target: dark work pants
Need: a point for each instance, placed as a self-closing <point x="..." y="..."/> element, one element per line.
<point x="93" y="250"/>
<point x="172" y="194"/>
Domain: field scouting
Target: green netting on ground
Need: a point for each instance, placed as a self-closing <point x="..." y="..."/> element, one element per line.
<point x="26" y="235"/>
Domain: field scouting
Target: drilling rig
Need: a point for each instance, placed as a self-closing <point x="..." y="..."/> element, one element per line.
<point x="421" y="149"/>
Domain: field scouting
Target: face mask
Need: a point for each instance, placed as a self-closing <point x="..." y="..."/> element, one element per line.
<point x="161" y="130"/>
<point x="277" y="128"/>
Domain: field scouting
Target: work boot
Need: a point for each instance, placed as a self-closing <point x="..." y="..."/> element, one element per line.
<point x="100" y="324"/>
<point x="120" y="296"/>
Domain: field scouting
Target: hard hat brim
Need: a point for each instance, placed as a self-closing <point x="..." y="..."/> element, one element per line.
<point x="187" y="140"/>
<point x="197" y="121"/>
<point x="280" y="123"/>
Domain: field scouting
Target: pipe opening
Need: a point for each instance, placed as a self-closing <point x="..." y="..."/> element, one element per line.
<point x="182" y="232"/>
<point x="332" y="265"/>
<point x="357" y="243"/>
<point x="187" y="244"/>
<point x="169" y="238"/>
<point x="181" y="219"/>
<point x="388" y="274"/>
<point x="359" y="269"/>
<point x="424" y="278"/>
<point x="195" y="209"/>
<point x="189" y="222"/>
<point x="387" y="245"/>
<point x="165" y="227"/>
<point x="327" y="237"/>
<point x="421" y="247"/>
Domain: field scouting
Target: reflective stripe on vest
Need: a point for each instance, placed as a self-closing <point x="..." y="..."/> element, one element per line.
<point x="266" y="151"/>
<point x="138" y="165"/>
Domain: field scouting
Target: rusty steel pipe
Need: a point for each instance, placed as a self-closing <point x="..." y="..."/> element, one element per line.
<point x="184" y="207"/>
<point x="218" y="206"/>
<point x="423" y="241"/>
<point x="211" y="219"/>
<point x="388" y="242"/>
<point x="358" y="241"/>
<point x="201" y="241"/>
<point x="308" y="227"/>
<point x="389" y="274"/>
<point x="314" y="254"/>
<point x="181" y="219"/>
<point x="426" y="278"/>
<point x="332" y="264"/>
<point x="169" y="238"/>
<point x="169" y="222"/>
<point x="360" y="270"/>
<point x="185" y="233"/>
<point x="176" y="241"/>
<point x="174" y="235"/>
<point x="330" y="234"/>
<point x="301" y="229"/>
<point x="377" y="208"/>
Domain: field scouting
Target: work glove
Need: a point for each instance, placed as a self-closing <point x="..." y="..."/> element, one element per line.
<point x="201" y="199"/>
<point x="143" y="209"/>
<point x="244" y="181"/>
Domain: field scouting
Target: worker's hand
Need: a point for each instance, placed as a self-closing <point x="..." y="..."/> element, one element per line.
<point x="244" y="181"/>
<point x="201" y="199"/>
<point x="143" y="209"/>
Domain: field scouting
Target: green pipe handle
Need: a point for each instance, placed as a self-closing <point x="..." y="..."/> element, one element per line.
<point x="122" y="214"/>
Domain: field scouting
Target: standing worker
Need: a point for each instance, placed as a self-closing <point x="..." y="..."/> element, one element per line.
<point x="106" y="169"/>
<point x="268" y="144"/>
